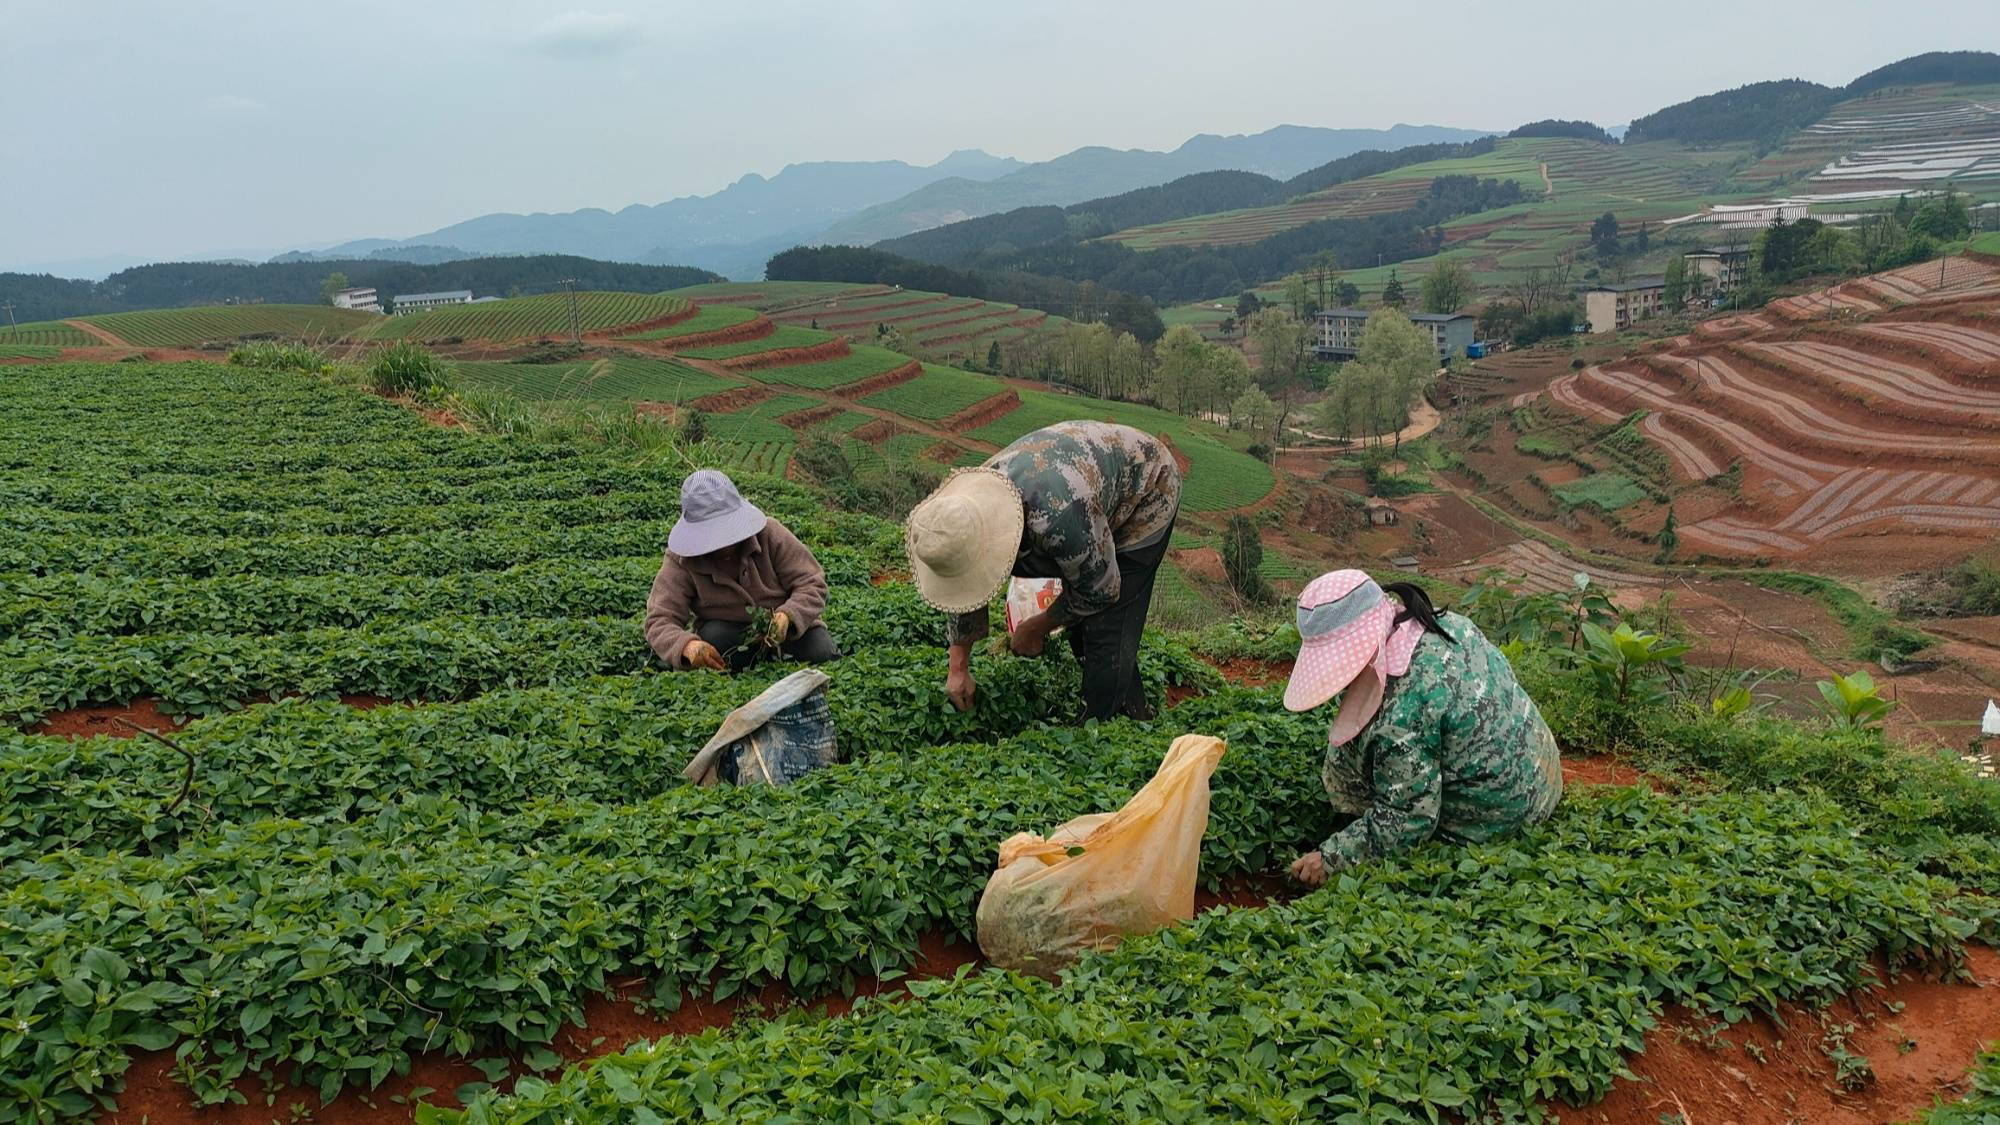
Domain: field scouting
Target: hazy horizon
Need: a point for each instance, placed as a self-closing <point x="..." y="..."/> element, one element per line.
<point x="251" y="130"/>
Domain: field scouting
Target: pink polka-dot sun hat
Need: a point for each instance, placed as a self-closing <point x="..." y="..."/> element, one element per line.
<point x="1348" y="642"/>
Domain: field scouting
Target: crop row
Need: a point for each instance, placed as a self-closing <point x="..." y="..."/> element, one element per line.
<point x="48" y="333"/>
<point x="707" y="318"/>
<point x="1471" y="983"/>
<point x="938" y="393"/>
<point x="859" y="364"/>
<point x="186" y="327"/>
<point x="454" y="515"/>
<point x="520" y="318"/>
<point x="396" y="656"/>
<point x="339" y="948"/>
<point x="784" y="336"/>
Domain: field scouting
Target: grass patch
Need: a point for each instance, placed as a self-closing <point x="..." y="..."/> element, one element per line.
<point x="1607" y="492"/>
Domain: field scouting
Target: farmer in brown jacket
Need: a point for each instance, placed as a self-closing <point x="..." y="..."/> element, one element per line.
<point x="723" y="557"/>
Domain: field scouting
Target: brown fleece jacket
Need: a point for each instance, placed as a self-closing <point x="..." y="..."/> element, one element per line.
<point x="774" y="571"/>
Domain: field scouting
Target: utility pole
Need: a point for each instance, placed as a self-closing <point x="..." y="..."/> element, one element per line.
<point x="575" y="324"/>
<point x="9" y="306"/>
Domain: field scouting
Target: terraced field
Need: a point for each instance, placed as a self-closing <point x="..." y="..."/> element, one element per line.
<point x="1890" y="142"/>
<point x="939" y="325"/>
<point x="524" y="318"/>
<point x="48" y="333"/>
<point x="937" y="394"/>
<point x="709" y="318"/>
<point x="615" y="379"/>
<point x="1880" y="416"/>
<point x="182" y="328"/>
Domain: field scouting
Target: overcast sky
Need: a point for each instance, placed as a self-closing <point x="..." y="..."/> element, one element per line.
<point x="158" y="128"/>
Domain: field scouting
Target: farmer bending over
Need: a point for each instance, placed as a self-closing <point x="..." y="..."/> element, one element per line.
<point x="723" y="557"/>
<point x="1434" y="737"/>
<point x="1091" y="503"/>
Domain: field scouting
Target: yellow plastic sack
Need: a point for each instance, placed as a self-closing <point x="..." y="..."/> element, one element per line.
<point x="1104" y="875"/>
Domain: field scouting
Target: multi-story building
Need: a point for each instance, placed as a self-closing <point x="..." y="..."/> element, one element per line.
<point x="418" y="302"/>
<point x="1615" y="306"/>
<point x="363" y="300"/>
<point x="1340" y="332"/>
<point x="1721" y="268"/>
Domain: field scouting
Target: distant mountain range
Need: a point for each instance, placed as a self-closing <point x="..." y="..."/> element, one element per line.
<point x="736" y="229"/>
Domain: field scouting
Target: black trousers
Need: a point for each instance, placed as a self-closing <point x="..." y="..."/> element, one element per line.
<point x="814" y="646"/>
<point x="1107" y="644"/>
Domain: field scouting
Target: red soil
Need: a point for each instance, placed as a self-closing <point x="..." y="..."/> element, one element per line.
<point x="732" y="400"/>
<point x="101" y="333"/>
<point x="984" y="329"/>
<point x="881" y="382"/>
<point x="1920" y="1053"/>
<point x="1180" y="459"/>
<point x="876" y="432"/>
<point x="984" y="411"/>
<point x="787" y="357"/>
<point x="1602" y="769"/>
<point x="84" y="722"/>
<point x="944" y="453"/>
<point x="749" y="330"/>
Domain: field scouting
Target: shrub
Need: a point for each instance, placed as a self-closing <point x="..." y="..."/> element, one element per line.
<point x="1242" y="556"/>
<point x="888" y="487"/>
<point x="407" y="368"/>
<point x="278" y="357"/>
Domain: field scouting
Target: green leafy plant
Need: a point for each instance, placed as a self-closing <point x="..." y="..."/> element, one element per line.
<point x="1630" y="664"/>
<point x="1853" y="701"/>
<point x="408" y="368"/>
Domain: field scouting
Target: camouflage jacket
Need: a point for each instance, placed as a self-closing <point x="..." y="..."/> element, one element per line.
<point x="1458" y="750"/>
<point x="1091" y="489"/>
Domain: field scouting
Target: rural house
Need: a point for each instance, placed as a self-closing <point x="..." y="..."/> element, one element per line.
<point x="418" y="302"/>
<point x="1340" y="332"/>
<point x="1720" y="267"/>
<point x="362" y="300"/>
<point x="1615" y="306"/>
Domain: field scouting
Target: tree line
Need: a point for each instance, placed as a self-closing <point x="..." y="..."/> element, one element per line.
<point x="177" y="284"/>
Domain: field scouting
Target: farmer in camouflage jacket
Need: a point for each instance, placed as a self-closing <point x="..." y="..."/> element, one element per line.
<point x="1434" y="736"/>
<point x="1091" y="503"/>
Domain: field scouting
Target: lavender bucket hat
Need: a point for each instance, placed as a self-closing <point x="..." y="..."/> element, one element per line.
<point x="713" y="515"/>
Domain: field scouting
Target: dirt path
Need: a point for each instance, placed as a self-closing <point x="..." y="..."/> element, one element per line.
<point x="1548" y="185"/>
<point x="1423" y="419"/>
<point x="94" y="330"/>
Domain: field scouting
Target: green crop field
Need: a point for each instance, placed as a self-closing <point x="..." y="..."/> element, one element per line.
<point x="48" y="333"/>
<point x="621" y="378"/>
<point x="861" y="363"/>
<point x="523" y="318"/>
<point x="167" y="328"/>
<point x="773" y="296"/>
<point x="296" y="898"/>
<point x="1219" y="476"/>
<point x="1605" y="491"/>
<point x="784" y="336"/>
<point x="28" y="351"/>
<point x="759" y="421"/>
<point x="707" y="319"/>
<point x="938" y="393"/>
<point x="909" y="444"/>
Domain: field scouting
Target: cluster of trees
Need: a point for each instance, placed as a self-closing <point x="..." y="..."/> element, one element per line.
<point x="1083" y="300"/>
<point x="1535" y="306"/>
<point x="1761" y="112"/>
<point x="1553" y="127"/>
<point x="1971" y="68"/>
<point x="1909" y="232"/>
<point x="1371" y="396"/>
<point x="175" y="284"/>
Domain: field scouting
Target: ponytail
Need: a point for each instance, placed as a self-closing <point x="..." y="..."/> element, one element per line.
<point x="1417" y="607"/>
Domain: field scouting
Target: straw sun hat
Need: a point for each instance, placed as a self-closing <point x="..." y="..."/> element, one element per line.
<point x="1349" y="643"/>
<point x="963" y="538"/>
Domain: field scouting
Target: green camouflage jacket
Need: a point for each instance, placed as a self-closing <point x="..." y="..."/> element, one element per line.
<point x="1457" y="750"/>
<point x="1091" y="489"/>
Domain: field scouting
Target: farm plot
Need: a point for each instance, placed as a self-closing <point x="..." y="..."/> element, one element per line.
<point x="49" y="334"/>
<point x="936" y="394"/>
<point x="771" y="297"/>
<point x="614" y="379"/>
<point x="785" y="336"/>
<point x="29" y="351"/>
<point x="1219" y="477"/>
<point x="524" y="318"/>
<point x="168" y="328"/>
<point x="708" y="318"/>
<point x="860" y="364"/>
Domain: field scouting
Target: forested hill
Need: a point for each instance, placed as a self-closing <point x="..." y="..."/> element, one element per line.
<point x="173" y="284"/>
<point x="1011" y="232"/>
